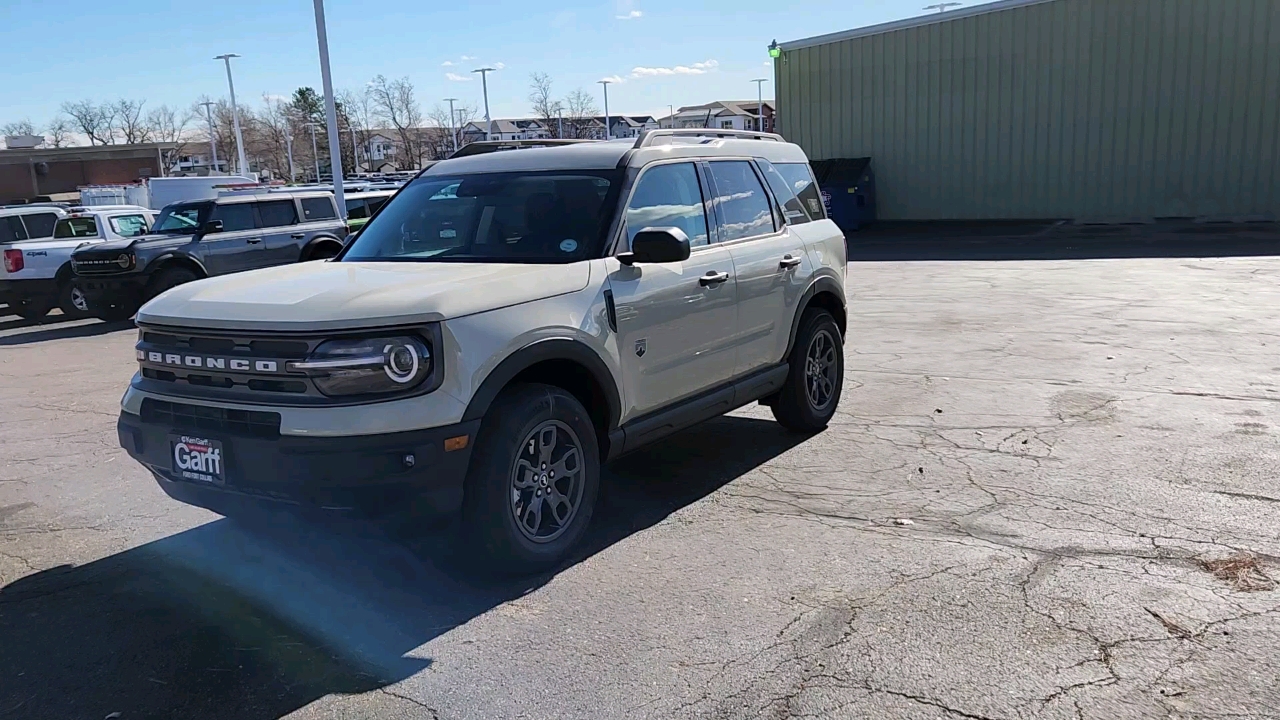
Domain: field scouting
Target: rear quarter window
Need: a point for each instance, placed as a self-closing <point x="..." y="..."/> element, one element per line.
<point x="40" y="225"/>
<point x="800" y="177"/>
<point x="318" y="208"/>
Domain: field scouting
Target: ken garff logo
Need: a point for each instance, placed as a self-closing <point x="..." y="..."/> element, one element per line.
<point x="641" y="348"/>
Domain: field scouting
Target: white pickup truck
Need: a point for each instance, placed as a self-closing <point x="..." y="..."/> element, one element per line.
<point x="36" y="275"/>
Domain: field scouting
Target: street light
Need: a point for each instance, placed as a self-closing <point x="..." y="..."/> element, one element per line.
<point x="484" y="80"/>
<point x="942" y="6"/>
<point x="760" y="102"/>
<point x="775" y="51"/>
<point x="607" y="134"/>
<point x="315" y="152"/>
<point x="235" y="113"/>
<point x="330" y="111"/>
<point x="213" y="140"/>
<point x="452" y="119"/>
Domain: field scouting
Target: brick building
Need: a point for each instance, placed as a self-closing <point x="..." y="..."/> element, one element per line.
<point x="26" y="174"/>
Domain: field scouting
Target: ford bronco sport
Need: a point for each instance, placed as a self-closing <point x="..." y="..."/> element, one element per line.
<point x="501" y="327"/>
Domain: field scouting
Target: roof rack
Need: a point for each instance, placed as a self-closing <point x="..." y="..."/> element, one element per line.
<point x="648" y="136"/>
<point x="481" y="147"/>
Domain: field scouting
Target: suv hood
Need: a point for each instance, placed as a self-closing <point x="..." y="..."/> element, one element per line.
<point x="346" y="295"/>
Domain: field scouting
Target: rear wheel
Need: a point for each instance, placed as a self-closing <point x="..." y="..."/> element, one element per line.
<point x="533" y="480"/>
<point x="809" y="398"/>
<point x="31" y="309"/>
<point x="324" y="251"/>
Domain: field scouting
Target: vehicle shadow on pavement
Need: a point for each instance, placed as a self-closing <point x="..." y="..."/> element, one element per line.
<point x="255" y="620"/>
<point x="42" y="333"/>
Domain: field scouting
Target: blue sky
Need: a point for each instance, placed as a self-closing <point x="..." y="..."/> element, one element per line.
<point x="161" y="50"/>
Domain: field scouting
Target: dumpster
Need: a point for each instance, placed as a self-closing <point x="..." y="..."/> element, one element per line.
<point x="848" y="189"/>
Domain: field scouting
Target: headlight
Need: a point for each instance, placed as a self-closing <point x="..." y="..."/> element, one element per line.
<point x="367" y="366"/>
<point x="124" y="261"/>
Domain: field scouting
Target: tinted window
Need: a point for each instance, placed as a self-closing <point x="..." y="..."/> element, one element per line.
<point x="80" y="227"/>
<point x="668" y="195"/>
<point x="782" y="190"/>
<point x="800" y="176"/>
<point x="129" y="225"/>
<point x="356" y="209"/>
<point x="278" y="212"/>
<point x="375" y="203"/>
<point x="744" y="208"/>
<point x="181" y="219"/>
<point x="11" y="229"/>
<point x="235" y="216"/>
<point x="40" y="225"/>
<point x="538" y="217"/>
<point x="317" y="208"/>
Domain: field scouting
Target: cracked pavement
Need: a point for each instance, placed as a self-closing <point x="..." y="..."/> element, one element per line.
<point x="1007" y="519"/>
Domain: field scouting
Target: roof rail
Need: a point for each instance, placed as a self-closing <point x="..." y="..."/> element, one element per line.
<point x="648" y="136"/>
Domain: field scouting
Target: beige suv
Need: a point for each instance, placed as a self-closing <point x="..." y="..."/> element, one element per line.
<point x="504" y="325"/>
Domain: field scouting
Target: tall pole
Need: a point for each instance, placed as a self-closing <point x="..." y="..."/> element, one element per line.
<point x="330" y="111"/>
<point x="452" y="120"/>
<point x="484" y="80"/>
<point x="672" y="117"/>
<point x="355" y="154"/>
<point x="213" y="140"/>
<point x="760" y="102"/>
<point x="315" y="152"/>
<point x="608" y="135"/>
<point x="288" y="143"/>
<point x="235" y="113"/>
<point x="559" y="122"/>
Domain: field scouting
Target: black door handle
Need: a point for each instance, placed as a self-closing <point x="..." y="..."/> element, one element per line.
<point x="254" y="241"/>
<point x="789" y="262"/>
<point x="713" y="278"/>
<point x="298" y="236"/>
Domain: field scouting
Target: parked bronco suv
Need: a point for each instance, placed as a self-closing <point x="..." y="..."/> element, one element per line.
<point x="191" y="240"/>
<point x="501" y="327"/>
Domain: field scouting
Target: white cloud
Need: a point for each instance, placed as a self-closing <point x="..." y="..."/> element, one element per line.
<point x="698" y="68"/>
<point x="447" y="63"/>
<point x="499" y="66"/>
<point x="768" y="63"/>
<point x="275" y="98"/>
<point x="457" y="78"/>
<point x="468" y="57"/>
<point x="630" y="16"/>
<point x="614" y="79"/>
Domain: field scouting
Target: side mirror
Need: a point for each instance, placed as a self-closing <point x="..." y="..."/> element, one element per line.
<point x="657" y="245"/>
<point x="213" y="226"/>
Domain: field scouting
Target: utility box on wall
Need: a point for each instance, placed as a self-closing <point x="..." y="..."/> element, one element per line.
<point x="848" y="188"/>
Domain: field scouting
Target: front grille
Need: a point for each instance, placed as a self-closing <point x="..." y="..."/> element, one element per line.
<point x="214" y="420"/>
<point x="226" y="366"/>
<point x="98" y="265"/>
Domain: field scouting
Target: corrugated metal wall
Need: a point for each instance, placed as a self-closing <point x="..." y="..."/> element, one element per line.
<point x="1063" y="109"/>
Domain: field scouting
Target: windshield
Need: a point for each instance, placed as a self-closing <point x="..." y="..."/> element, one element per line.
<point x="76" y="227"/>
<point x="181" y="219"/>
<point x="524" y="217"/>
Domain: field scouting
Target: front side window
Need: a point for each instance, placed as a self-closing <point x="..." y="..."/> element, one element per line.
<point x="40" y="225"/>
<point x="668" y="196"/>
<point x="516" y="217"/>
<point x="317" y="208"/>
<point x="800" y="176"/>
<point x="235" y="216"/>
<point x="76" y="227"/>
<point x="744" y="208"/>
<point x="792" y="208"/>
<point x="182" y="218"/>
<point x="129" y="225"/>
<point x="277" y="213"/>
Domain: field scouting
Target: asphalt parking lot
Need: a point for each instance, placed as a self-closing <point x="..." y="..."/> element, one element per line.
<point x="1022" y="510"/>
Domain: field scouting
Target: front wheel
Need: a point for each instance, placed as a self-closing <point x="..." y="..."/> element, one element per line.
<point x="533" y="480"/>
<point x="809" y="398"/>
<point x="170" y="277"/>
<point x="71" y="300"/>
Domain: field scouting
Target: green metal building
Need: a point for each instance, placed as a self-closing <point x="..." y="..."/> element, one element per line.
<point x="1035" y="109"/>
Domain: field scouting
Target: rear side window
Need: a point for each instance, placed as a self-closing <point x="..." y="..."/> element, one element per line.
<point x="356" y="209"/>
<point x="77" y="227"/>
<point x="792" y="208"/>
<point x="11" y="229"/>
<point x="800" y="177"/>
<point x="235" y="216"/>
<point x="40" y="225"/>
<point x="129" y="225"/>
<point x="318" y="208"/>
<point x="277" y="213"/>
<point x="375" y="203"/>
<point x="744" y="209"/>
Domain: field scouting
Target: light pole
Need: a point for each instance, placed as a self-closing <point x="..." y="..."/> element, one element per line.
<point x="775" y="52"/>
<point x="452" y="120"/>
<point x="559" y="121"/>
<point x="213" y="140"/>
<point x="315" y="152"/>
<point x="672" y="117"/>
<point x="330" y="111"/>
<point x="235" y="113"/>
<point x="355" y="153"/>
<point x="760" y="102"/>
<point x="484" y="80"/>
<point x="607" y="134"/>
<point x="288" y="143"/>
<point x="942" y="6"/>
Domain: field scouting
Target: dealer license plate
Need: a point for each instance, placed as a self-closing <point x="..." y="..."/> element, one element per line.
<point x="199" y="459"/>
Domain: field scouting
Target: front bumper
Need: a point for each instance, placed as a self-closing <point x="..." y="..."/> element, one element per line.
<point x="20" y="292"/>
<point x="112" y="291"/>
<point x="367" y="474"/>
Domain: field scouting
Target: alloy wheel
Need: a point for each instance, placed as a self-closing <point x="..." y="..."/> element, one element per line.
<point x="820" y="370"/>
<point x="547" y="481"/>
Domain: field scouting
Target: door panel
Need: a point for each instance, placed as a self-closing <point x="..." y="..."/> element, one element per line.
<point x="239" y="246"/>
<point x="675" y="333"/>
<point x="281" y="234"/>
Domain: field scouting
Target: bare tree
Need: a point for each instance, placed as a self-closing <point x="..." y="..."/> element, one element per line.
<point x="59" y="133"/>
<point x="169" y="125"/>
<point x="91" y="119"/>
<point x="395" y="104"/>
<point x="580" y="112"/>
<point x="127" y="119"/>
<point x="361" y="114"/>
<point x="275" y="125"/>
<point x="21" y="127"/>
<point x="545" y="108"/>
<point x="442" y="145"/>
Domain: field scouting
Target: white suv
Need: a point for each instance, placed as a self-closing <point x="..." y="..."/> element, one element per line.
<point x="501" y="327"/>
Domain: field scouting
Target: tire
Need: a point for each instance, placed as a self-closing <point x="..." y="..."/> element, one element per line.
<point x="31" y="310"/>
<point x="809" y="398"/>
<point x="323" y="251"/>
<point x="169" y="278"/>
<point x="71" y="301"/>
<point x="508" y="518"/>
<point x="114" y="313"/>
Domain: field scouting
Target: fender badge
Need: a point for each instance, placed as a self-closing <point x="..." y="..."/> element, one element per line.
<point x="641" y="348"/>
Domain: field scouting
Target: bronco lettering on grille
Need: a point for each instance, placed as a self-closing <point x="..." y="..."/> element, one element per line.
<point x="206" y="362"/>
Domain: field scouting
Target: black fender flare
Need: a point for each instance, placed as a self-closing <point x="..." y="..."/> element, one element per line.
<point x="541" y="351"/>
<point x="170" y="258"/>
<point x="306" y="249"/>
<point x="825" y="283"/>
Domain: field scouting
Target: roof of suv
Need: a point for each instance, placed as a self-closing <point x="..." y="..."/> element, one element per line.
<point x="607" y="155"/>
